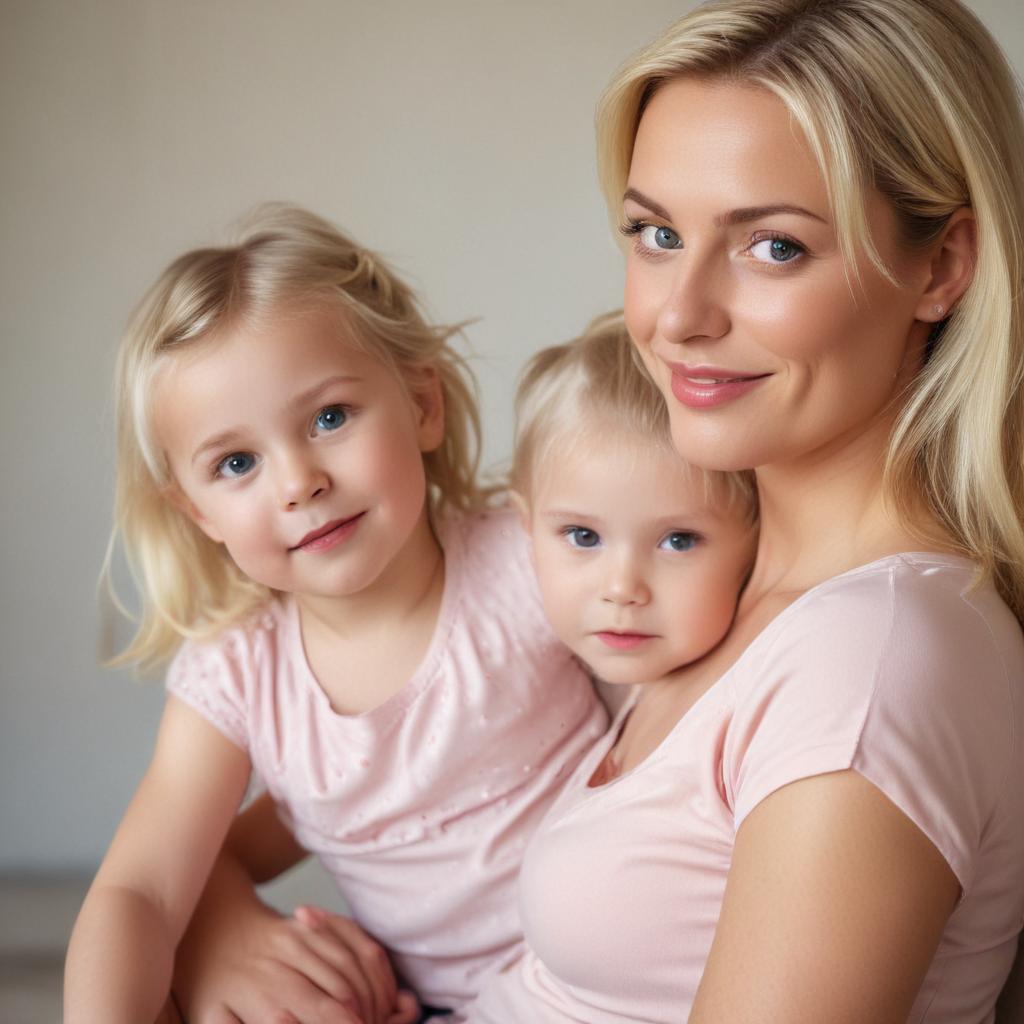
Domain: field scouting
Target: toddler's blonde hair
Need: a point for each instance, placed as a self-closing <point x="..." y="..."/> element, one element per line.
<point x="597" y="382"/>
<point x="912" y="98"/>
<point x="284" y="258"/>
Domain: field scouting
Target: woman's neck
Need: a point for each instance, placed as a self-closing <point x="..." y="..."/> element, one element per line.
<point x="828" y="513"/>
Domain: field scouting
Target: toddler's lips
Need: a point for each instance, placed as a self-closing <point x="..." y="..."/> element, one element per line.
<point x="623" y="641"/>
<point x="329" y="535"/>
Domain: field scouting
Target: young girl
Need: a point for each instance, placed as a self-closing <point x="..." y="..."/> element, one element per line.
<point x="297" y="497"/>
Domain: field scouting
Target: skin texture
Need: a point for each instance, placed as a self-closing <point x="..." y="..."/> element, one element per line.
<point x="316" y="431"/>
<point x="835" y="900"/>
<point x="625" y="540"/>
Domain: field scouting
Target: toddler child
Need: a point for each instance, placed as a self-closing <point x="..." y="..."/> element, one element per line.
<point x="640" y="560"/>
<point x="297" y="497"/>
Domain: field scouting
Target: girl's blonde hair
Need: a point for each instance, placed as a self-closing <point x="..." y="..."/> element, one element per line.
<point x="284" y="258"/>
<point x="915" y="99"/>
<point x="588" y="383"/>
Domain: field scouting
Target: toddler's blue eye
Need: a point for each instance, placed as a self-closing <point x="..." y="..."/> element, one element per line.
<point x="332" y="417"/>
<point x="679" y="540"/>
<point x="581" y="537"/>
<point x="236" y="464"/>
<point x="654" y="236"/>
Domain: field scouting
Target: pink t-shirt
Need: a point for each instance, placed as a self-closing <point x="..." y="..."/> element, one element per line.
<point x="895" y="670"/>
<point x="421" y="807"/>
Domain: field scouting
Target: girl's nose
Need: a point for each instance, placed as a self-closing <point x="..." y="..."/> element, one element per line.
<point x="300" y="480"/>
<point x="696" y="306"/>
<point x="625" y="584"/>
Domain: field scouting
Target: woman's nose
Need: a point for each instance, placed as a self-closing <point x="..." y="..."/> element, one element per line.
<point x="300" y="479"/>
<point x="696" y="306"/>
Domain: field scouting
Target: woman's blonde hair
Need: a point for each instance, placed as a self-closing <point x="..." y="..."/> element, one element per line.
<point x="915" y="99"/>
<point x="284" y="258"/>
<point x="596" y="381"/>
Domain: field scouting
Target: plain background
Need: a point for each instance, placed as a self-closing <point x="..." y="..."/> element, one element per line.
<point x="454" y="136"/>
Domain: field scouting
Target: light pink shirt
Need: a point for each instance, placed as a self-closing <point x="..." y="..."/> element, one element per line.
<point x="420" y="808"/>
<point x="893" y="670"/>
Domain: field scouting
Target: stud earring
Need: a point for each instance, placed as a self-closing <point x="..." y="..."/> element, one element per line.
<point x="938" y="311"/>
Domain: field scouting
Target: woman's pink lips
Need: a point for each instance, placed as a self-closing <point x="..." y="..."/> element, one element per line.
<point x="701" y="387"/>
<point x="623" y="641"/>
<point x="329" y="535"/>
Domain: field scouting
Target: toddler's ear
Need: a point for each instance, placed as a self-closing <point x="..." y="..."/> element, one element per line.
<point x="522" y="507"/>
<point x="177" y="497"/>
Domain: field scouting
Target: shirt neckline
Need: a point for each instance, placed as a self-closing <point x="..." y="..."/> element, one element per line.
<point x="945" y="558"/>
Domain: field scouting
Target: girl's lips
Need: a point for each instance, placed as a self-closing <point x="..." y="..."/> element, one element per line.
<point x="329" y="535"/>
<point x="623" y="641"/>
<point x="701" y="387"/>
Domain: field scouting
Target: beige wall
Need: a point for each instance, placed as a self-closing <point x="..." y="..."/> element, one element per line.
<point x="455" y="136"/>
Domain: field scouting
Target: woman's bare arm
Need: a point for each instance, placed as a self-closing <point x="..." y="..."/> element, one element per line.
<point x="833" y="910"/>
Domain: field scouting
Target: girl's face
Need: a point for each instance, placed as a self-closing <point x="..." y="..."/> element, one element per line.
<point x="297" y="451"/>
<point x="765" y="345"/>
<point x="639" y="570"/>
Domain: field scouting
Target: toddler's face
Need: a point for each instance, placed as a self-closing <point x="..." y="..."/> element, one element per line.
<point x="297" y="451"/>
<point x="639" y="569"/>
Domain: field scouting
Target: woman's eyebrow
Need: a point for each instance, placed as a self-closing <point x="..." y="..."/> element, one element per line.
<point x="738" y="216"/>
<point x="747" y="213"/>
<point x="638" y="197"/>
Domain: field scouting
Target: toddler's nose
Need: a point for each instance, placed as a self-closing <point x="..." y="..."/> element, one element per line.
<point x="625" y="584"/>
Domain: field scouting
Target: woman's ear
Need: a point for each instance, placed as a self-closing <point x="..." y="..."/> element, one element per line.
<point x="177" y="497"/>
<point x="428" y="396"/>
<point x="952" y="266"/>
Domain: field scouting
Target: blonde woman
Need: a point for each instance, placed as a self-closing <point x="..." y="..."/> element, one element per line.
<point x="823" y="819"/>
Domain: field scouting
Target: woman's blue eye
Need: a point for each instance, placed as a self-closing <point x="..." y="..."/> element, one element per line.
<point x="679" y="540"/>
<point x="653" y="236"/>
<point x="581" y="537"/>
<point x="776" y="250"/>
<point x="236" y="464"/>
<point x="332" y="417"/>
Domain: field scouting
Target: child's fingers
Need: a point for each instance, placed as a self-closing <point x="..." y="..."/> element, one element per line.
<point x="339" y="971"/>
<point x="222" y="1015"/>
<point x="407" y="1009"/>
<point x="347" y="942"/>
<point x="323" y="961"/>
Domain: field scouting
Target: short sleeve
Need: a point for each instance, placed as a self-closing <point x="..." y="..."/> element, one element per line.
<point x="893" y="674"/>
<point x="212" y="682"/>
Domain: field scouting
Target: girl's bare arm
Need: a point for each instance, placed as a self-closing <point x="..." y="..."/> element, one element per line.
<point x="122" y="948"/>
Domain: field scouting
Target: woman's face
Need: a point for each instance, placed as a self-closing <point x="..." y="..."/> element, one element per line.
<point x="766" y="346"/>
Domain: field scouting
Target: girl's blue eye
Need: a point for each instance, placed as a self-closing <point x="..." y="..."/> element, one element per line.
<point x="776" y="250"/>
<point x="331" y="417"/>
<point x="236" y="464"/>
<point x="654" y="236"/>
<point x="679" y="540"/>
<point x="581" y="537"/>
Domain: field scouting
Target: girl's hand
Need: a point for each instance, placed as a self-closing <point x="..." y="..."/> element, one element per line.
<point x="376" y="968"/>
<point x="316" y="967"/>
